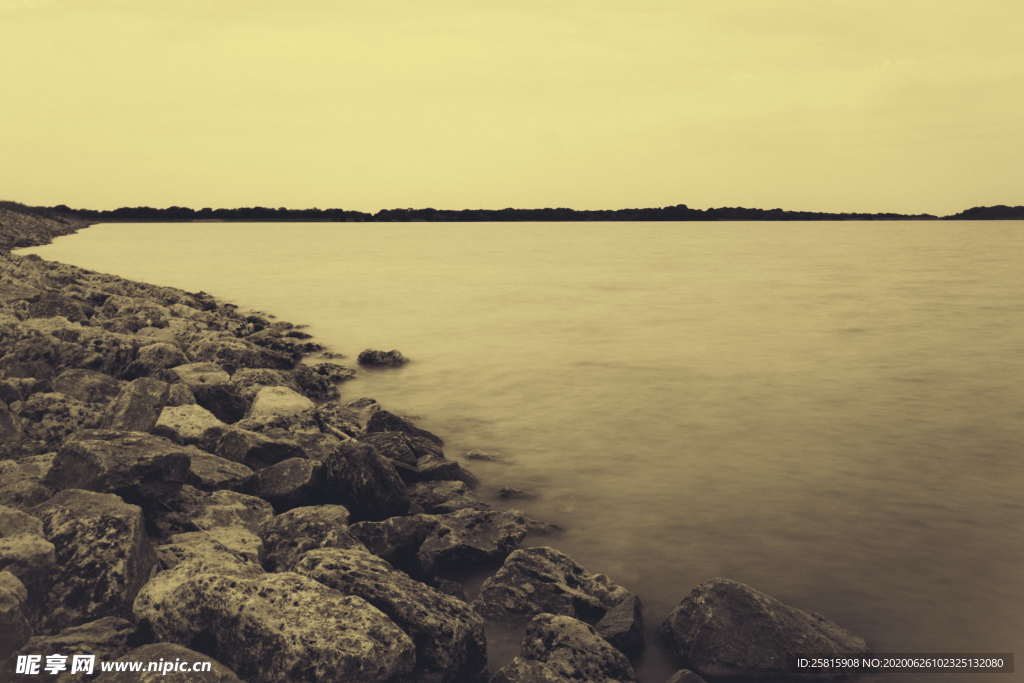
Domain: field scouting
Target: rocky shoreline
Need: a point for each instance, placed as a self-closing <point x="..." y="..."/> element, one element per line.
<point x="182" y="479"/>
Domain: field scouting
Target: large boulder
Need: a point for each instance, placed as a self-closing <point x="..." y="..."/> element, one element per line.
<point x="153" y="360"/>
<point x="10" y="432"/>
<point x="87" y="385"/>
<point x="212" y="547"/>
<point x="185" y="424"/>
<point x="441" y="497"/>
<point x="449" y="635"/>
<point x="288" y="535"/>
<point x="288" y="484"/>
<point x="384" y="421"/>
<point x="470" y="538"/>
<point x="211" y="472"/>
<point x="49" y="418"/>
<point x="22" y="481"/>
<point x="278" y="401"/>
<point x="233" y="353"/>
<point x="254" y="449"/>
<point x="107" y="638"/>
<point x="542" y="579"/>
<point x="213" y="389"/>
<point x="726" y="628"/>
<point x="24" y="551"/>
<point x="14" y="623"/>
<point x="102" y="556"/>
<point x="378" y="358"/>
<point x="359" y="478"/>
<point x="195" y="510"/>
<point x="249" y="381"/>
<point x="173" y="660"/>
<point x="275" y="627"/>
<point x="397" y="539"/>
<point x="623" y="626"/>
<point x="320" y="381"/>
<point x="137" y="406"/>
<point x="560" y="649"/>
<point x="141" y="468"/>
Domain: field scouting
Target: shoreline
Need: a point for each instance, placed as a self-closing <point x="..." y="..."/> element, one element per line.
<point x="246" y="482"/>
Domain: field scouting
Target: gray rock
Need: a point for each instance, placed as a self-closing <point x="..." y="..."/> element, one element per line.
<point x="623" y="626"/>
<point x="21" y="481"/>
<point x="107" y="638"/>
<point x="233" y="354"/>
<point x="289" y="483"/>
<point x="433" y="468"/>
<point x="449" y="635"/>
<point x="212" y="388"/>
<point x="216" y="547"/>
<point x="249" y="381"/>
<point x="154" y="359"/>
<point x="138" y="405"/>
<point x="320" y="381"/>
<point x="470" y="538"/>
<point x="24" y="551"/>
<point x="276" y="627"/>
<point x="14" y="623"/>
<point x="397" y="539"/>
<point x="376" y="358"/>
<point x="288" y="535"/>
<point x="211" y="472"/>
<point x="560" y="649"/>
<point x="87" y="385"/>
<point x="253" y="449"/>
<point x="383" y="421"/>
<point x="278" y="401"/>
<point x="102" y="556"/>
<point x="359" y="478"/>
<point x="542" y="579"/>
<point x="185" y="424"/>
<point x="726" y="628"/>
<point x="49" y="418"/>
<point x="169" y="654"/>
<point x="195" y="510"/>
<point x="440" y="497"/>
<point x="10" y="431"/>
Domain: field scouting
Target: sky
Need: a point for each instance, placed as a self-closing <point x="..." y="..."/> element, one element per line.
<point x="874" y="105"/>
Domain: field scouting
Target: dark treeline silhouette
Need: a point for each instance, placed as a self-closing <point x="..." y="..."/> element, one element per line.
<point x="1000" y="212"/>
<point x="679" y="212"/>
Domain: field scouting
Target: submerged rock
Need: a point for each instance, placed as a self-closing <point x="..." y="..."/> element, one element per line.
<point x="726" y="628"/>
<point x="376" y="358"/>
<point x="449" y="635"/>
<point x="560" y="649"/>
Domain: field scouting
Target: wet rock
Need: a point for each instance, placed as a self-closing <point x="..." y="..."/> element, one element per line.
<point x="276" y="627"/>
<point x="106" y="638"/>
<point x="278" y="401"/>
<point x="23" y="549"/>
<point x="154" y="360"/>
<point x="316" y="445"/>
<point x="212" y="388"/>
<point x="251" y="448"/>
<point x="726" y="628"/>
<point x="433" y="468"/>
<point x="356" y="476"/>
<point x="14" y="623"/>
<point x="233" y="353"/>
<point x="483" y="456"/>
<point x="402" y="447"/>
<point x="449" y="635"/>
<point x="288" y="535"/>
<point x="142" y="468"/>
<point x="49" y="418"/>
<point x="623" y="626"/>
<point x="376" y="358"/>
<point x="363" y="408"/>
<point x="320" y="381"/>
<point x="289" y="483"/>
<point x="384" y="421"/>
<point x="102" y="557"/>
<point x="560" y="649"/>
<point x="339" y="421"/>
<point x="185" y="424"/>
<point x="512" y="493"/>
<point x="88" y="386"/>
<point x="397" y="539"/>
<point x="211" y="472"/>
<point x="21" y="481"/>
<point x="440" y="497"/>
<point x="470" y="538"/>
<point x="169" y="654"/>
<point x="685" y="676"/>
<point x="138" y="405"/>
<point x="542" y="579"/>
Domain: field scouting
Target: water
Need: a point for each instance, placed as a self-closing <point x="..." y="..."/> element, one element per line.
<point x="831" y="412"/>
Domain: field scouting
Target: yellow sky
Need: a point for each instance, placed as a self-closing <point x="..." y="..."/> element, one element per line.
<point x="906" y="105"/>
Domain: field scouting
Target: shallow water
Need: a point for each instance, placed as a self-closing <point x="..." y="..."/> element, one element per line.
<point x="831" y="412"/>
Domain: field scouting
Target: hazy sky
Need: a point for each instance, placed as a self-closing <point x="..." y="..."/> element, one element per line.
<point x="908" y="105"/>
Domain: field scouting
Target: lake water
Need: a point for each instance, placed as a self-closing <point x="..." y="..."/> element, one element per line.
<point x="830" y="412"/>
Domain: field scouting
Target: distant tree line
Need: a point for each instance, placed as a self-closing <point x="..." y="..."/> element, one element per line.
<point x="1000" y="212"/>
<point x="679" y="212"/>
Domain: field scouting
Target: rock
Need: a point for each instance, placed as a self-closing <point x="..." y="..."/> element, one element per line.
<point x="542" y="579"/>
<point x="170" y="655"/>
<point x="52" y="304"/>
<point x="237" y="541"/>
<point x="375" y="358"/>
<point x="107" y="638"/>
<point x="14" y="624"/>
<point x="211" y="386"/>
<point x="449" y="635"/>
<point x="10" y="431"/>
<point x="440" y="497"/>
<point x="512" y="493"/>
<point x="483" y="456"/>
<point x="320" y="381"/>
<point x="288" y="535"/>
<point x="363" y="408"/>
<point x="233" y="353"/>
<point x="559" y="649"/>
<point x="185" y="424"/>
<point x="195" y="510"/>
<point x="356" y="476"/>
<point x="87" y="385"/>
<point x="23" y="549"/>
<point x="291" y="347"/>
<point x="289" y="483"/>
<point x="249" y="381"/>
<point x="623" y="626"/>
<point x="432" y="468"/>
<point x="278" y="401"/>
<point x="153" y="360"/>
<point x="141" y="468"/>
<point x="305" y="421"/>
<point x="138" y="405"/>
<point x="470" y="538"/>
<point x="339" y="421"/>
<point x="180" y="395"/>
<point x="276" y="627"/>
<point x="49" y="418"/>
<point x="726" y="628"/>
<point x="254" y="449"/>
<point x="211" y="472"/>
<point x="102" y="557"/>
<point x="21" y="481"/>
<point x="402" y="447"/>
<point x="685" y="676"/>
<point x="397" y="539"/>
<point x="383" y="421"/>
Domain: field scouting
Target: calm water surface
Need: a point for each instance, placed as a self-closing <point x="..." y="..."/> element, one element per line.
<point x="831" y="412"/>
